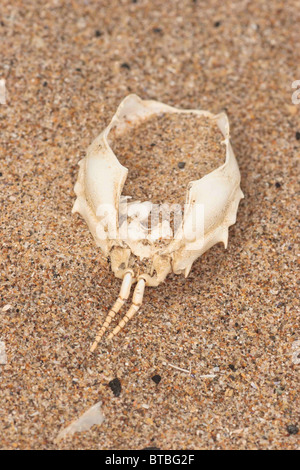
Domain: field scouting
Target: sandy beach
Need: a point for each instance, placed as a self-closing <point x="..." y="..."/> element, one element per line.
<point x="211" y="361"/>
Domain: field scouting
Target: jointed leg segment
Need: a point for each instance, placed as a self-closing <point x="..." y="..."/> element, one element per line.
<point x="137" y="300"/>
<point x="123" y="296"/>
<point x="136" y="303"/>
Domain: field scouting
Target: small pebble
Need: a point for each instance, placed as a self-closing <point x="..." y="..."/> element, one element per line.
<point x="115" y="386"/>
<point x="3" y="357"/>
<point x="156" y="379"/>
<point x="125" y="66"/>
<point x="298" y="135"/>
<point x="6" y="308"/>
<point x="292" y="429"/>
<point x="181" y="164"/>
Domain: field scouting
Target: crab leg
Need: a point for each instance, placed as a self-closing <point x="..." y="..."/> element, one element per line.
<point x="137" y="300"/>
<point x="123" y="296"/>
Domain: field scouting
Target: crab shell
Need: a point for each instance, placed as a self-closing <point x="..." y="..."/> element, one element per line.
<point x="101" y="180"/>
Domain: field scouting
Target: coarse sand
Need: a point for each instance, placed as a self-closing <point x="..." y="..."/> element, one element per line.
<point x="165" y="152"/>
<point x="232" y="326"/>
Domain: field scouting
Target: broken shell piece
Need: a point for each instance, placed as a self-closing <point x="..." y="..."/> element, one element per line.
<point x="119" y="224"/>
<point x="91" y="417"/>
<point x="3" y="356"/>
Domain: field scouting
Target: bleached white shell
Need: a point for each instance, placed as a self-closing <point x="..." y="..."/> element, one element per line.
<point x="100" y="183"/>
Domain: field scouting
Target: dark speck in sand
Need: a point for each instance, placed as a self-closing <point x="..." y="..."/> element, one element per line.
<point x="156" y="379"/>
<point x="115" y="386"/>
<point x="292" y="429"/>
